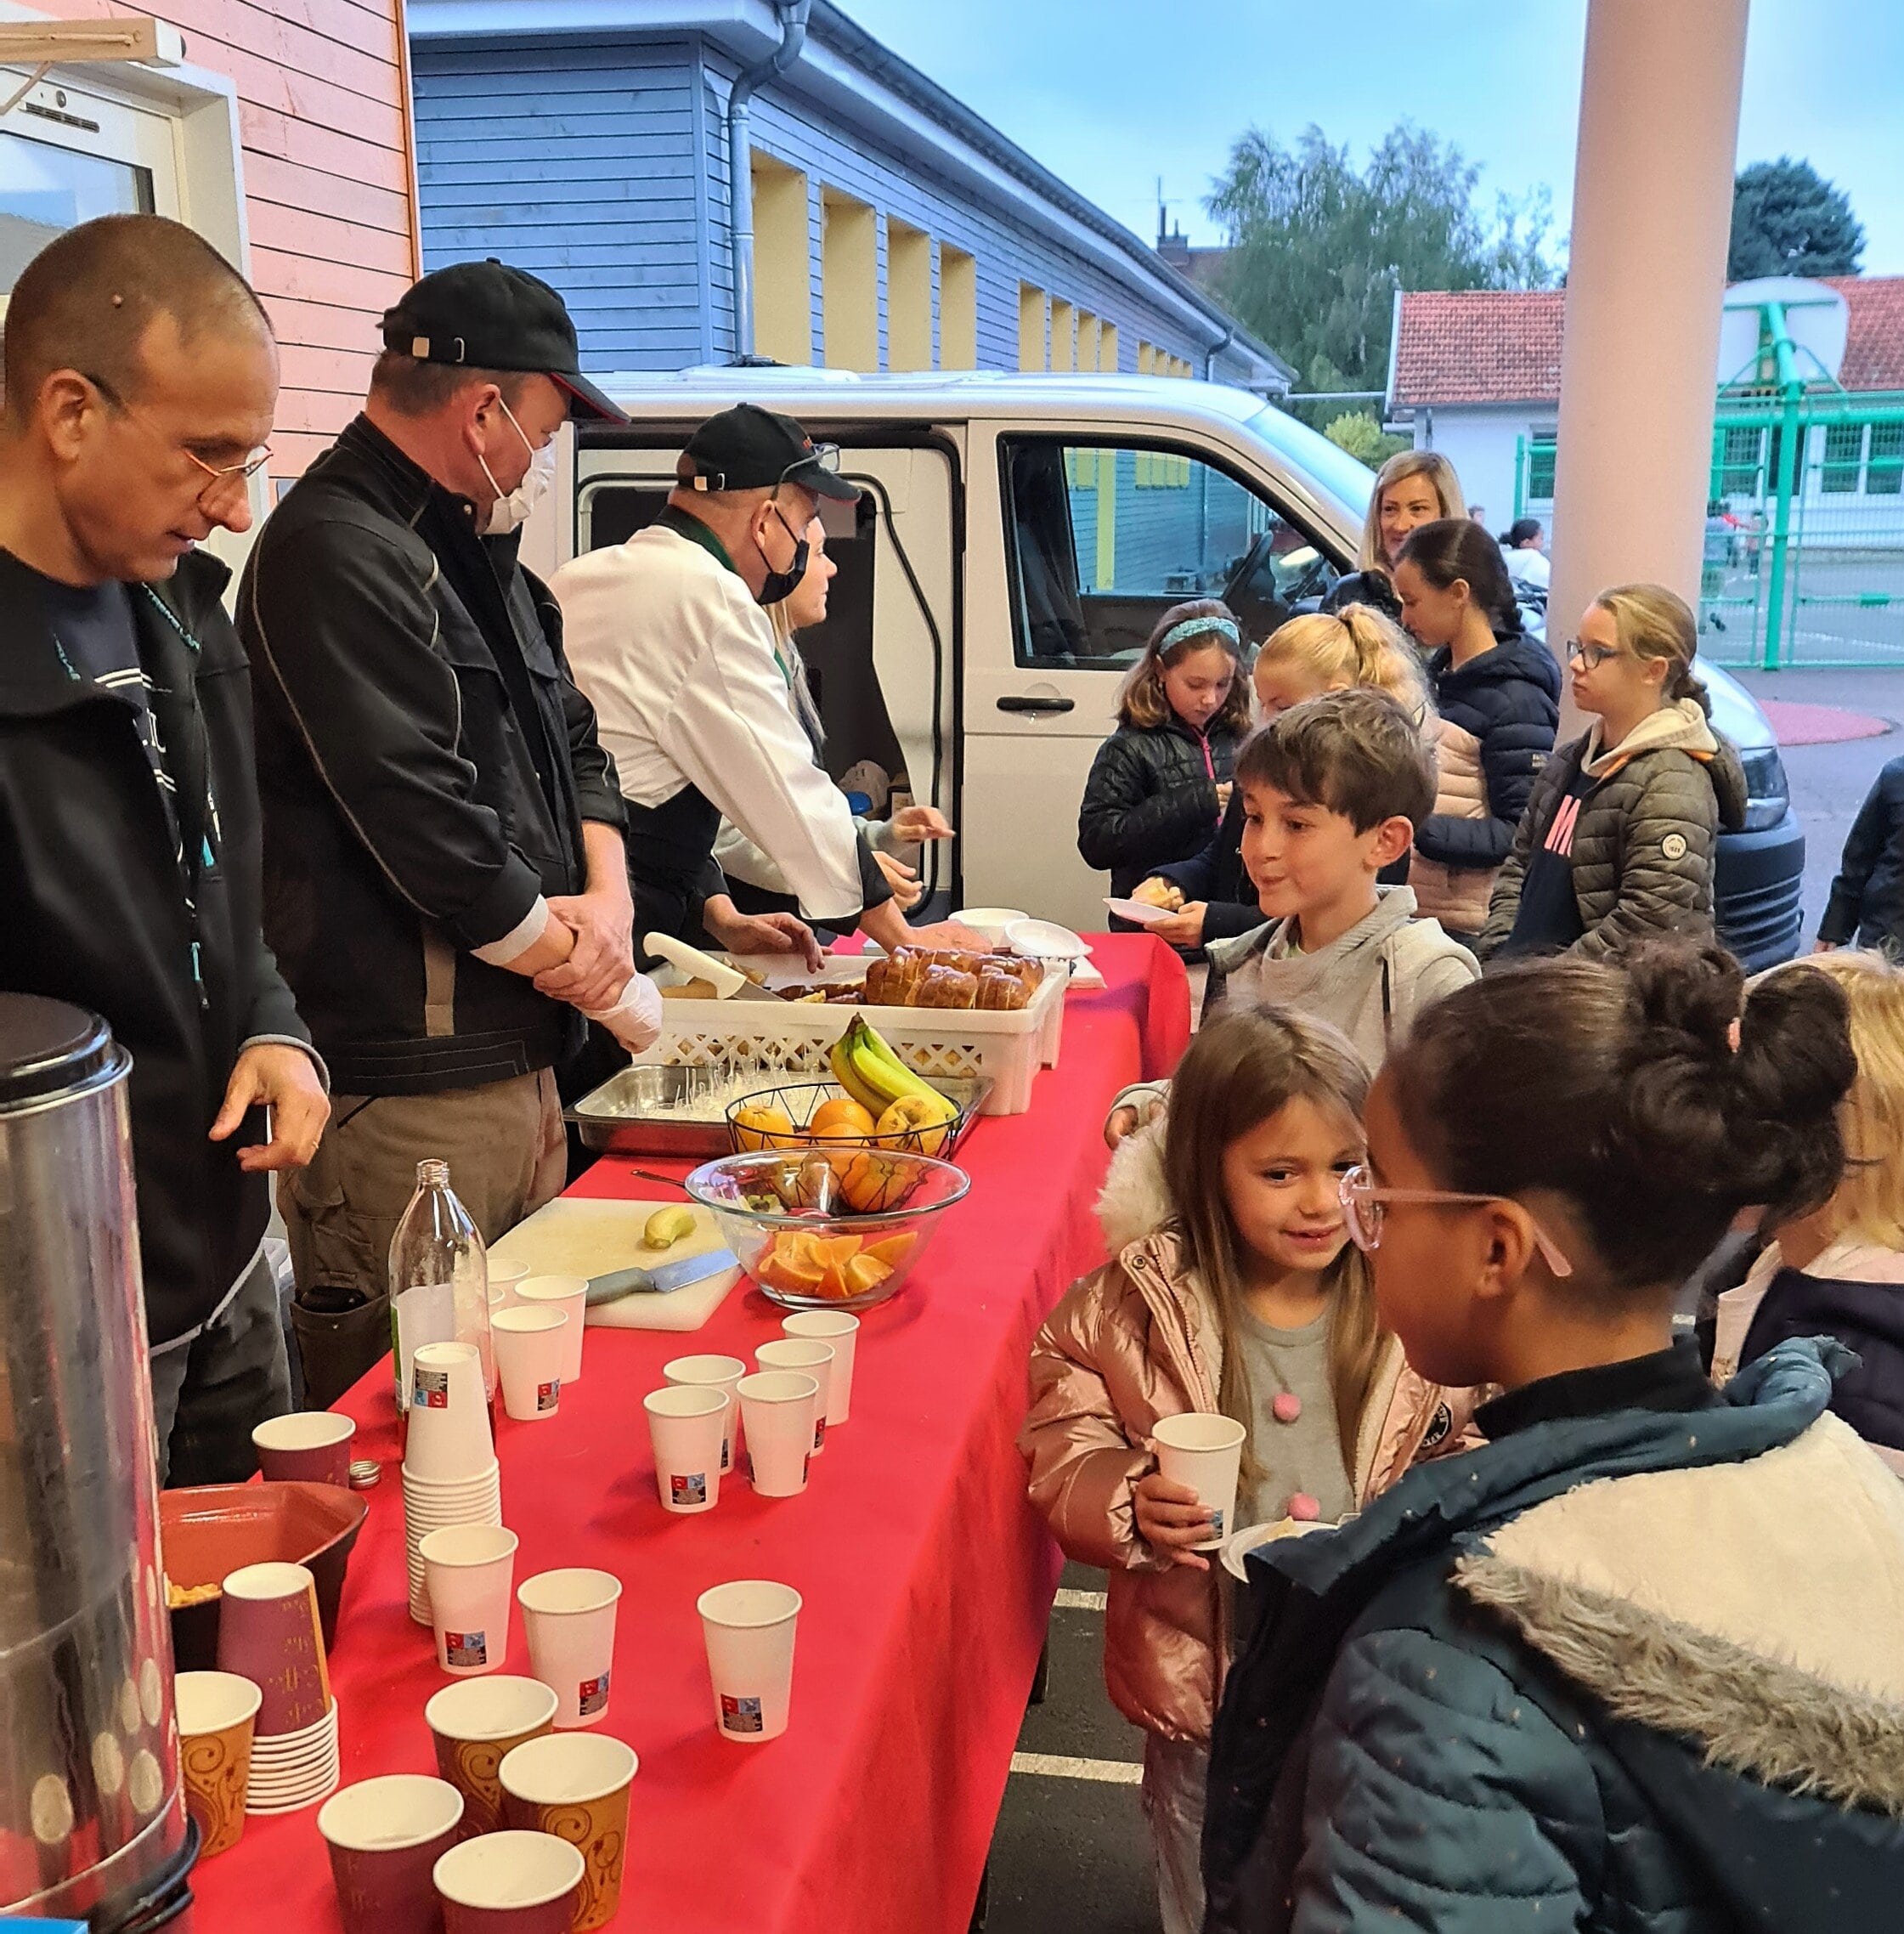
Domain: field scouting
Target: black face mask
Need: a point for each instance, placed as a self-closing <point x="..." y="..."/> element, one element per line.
<point x="778" y="584"/>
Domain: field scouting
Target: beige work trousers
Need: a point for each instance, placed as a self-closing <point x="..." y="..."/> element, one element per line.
<point x="507" y="1156"/>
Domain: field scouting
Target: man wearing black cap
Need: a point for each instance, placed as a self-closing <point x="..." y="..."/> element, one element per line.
<point x="668" y="639"/>
<point x="446" y="885"/>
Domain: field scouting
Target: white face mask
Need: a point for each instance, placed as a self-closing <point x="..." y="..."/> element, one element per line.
<point x="513" y="508"/>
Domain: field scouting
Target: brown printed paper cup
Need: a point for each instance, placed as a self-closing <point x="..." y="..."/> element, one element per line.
<point x="216" y="1711"/>
<point x="385" y="1836"/>
<point x="575" y="1786"/>
<point x="476" y="1724"/>
<point x="268" y="1633"/>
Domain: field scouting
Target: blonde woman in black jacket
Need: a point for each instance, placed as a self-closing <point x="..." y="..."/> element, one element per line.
<point x="1160" y="783"/>
<point x="1618" y="840"/>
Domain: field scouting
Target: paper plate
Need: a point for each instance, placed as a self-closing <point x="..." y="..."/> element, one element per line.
<point x="1253" y="1536"/>
<point x="1045" y="940"/>
<point x="1139" y="913"/>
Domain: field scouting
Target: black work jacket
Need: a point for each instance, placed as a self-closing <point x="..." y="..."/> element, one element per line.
<point x="96" y="913"/>
<point x="427" y="765"/>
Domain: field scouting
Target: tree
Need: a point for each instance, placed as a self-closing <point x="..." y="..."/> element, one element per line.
<point x="1317" y="248"/>
<point x="1788" y="220"/>
<point x="1362" y="436"/>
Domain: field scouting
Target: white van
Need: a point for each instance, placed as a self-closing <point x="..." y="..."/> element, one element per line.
<point x="1015" y="539"/>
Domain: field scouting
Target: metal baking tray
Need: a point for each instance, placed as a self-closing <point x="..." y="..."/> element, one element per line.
<point x="619" y="1117"/>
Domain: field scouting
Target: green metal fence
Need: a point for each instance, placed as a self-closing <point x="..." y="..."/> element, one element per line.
<point x="1804" y="556"/>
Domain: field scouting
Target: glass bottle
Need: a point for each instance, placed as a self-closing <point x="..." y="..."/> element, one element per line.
<point x="439" y="1280"/>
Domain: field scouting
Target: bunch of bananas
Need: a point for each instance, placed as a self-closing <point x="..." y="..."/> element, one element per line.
<point x="873" y="1075"/>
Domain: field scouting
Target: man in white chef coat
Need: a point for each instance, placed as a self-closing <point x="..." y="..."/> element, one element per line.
<point x="667" y="637"/>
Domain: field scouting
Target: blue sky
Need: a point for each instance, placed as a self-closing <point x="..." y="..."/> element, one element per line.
<point x="1111" y="93"/>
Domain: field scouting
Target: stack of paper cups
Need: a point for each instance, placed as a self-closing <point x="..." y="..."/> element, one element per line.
<point x="269" y="1633"/>
<point x="450" y="1473"/>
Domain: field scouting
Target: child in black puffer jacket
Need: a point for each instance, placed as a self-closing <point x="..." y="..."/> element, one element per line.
<point x="1161" y="782"/>
<point x="1497" y="698"/>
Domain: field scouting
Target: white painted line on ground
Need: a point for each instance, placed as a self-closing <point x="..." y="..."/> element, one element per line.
<point x="1079" y="1602"/>
<point x="1058" y="1766"/>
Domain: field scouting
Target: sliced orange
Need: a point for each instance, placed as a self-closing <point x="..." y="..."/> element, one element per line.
<point x="892" y="1250"/>
<point x="789" y="1263"/>
<point x="864" y="1273"/>
<point x="834" y="1252"/>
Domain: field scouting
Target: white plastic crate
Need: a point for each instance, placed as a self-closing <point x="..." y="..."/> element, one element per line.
<point x="792" y="1039"/>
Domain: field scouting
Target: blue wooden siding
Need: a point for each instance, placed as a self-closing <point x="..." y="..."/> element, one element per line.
<point x="603" y="168"/>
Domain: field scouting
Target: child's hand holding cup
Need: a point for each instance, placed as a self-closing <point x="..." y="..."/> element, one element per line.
<point x="1171" y="1519"/>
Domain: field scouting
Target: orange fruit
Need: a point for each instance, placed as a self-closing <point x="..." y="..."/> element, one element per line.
<point x="788" y="1264"/>
<point x="892" y="1250"/>
<point x="842" y="1119"/>
<point x="867" y="1181"/>
<point x="765" y="1128"/>
<point x="864" y="1273"/>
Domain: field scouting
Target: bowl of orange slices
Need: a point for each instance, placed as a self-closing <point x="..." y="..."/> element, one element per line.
<point x="794" y="1219"/>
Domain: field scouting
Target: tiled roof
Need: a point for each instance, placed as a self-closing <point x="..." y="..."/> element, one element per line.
<point x="1478" y="346"/>
<point x="1503" y="345"/>
<point x="1874" y="355"/>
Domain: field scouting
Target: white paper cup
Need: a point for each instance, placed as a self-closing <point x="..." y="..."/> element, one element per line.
<point x="568" y="1294"/>
<point x="1204" y="1451"/>
<point x="570" y="1616"/>
<point x="467" y="1572"/>
<point x="748" y="1626"/>
<point x="719" y="1373"/>
<point x="686" y="1425"/>
<point x="778" y="1407"/>
<point x="811" y="1358"/>
<point x="532" y="1342"/>
<point x="507" y="1873"/>
<point x="448" y="1440"/>
<point x="840" y="1328"/>
<point x="503" y="1280"/>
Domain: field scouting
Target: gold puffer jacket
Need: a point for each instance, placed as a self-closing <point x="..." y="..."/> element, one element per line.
<point x="1132" y="1342"/>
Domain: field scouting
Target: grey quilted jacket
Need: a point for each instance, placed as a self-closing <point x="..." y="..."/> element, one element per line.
<point x="1646" y="836"/>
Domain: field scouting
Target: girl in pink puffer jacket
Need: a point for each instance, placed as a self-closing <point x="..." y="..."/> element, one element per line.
<point x="1249" y="1300"/>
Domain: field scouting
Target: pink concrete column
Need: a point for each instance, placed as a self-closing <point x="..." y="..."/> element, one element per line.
<point x="1653" y="204"/>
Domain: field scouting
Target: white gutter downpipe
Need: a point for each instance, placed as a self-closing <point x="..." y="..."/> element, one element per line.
<point x="740" y="171"/>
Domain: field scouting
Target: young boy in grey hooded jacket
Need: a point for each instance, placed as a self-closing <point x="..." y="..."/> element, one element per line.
<point x="1333" y="790"/>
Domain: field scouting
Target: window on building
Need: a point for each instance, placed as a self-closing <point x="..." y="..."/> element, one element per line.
<point x="1033" y="321"/>
<point x="1844" y="459"/>
<point x="1107" y="347"/>
<point x="849" y="283"/>
<point x="45" y="190"/>
<point x="1884" y="470"/>
<point x="1064" y="336"/>
<point x="1741" y="472"/>
<point x="908" y="297"/>
<point x="782" y="262"/>
<point x="1097" y="558"/>
<point x="958" y="309"/>
<point x="1540" y="453"/>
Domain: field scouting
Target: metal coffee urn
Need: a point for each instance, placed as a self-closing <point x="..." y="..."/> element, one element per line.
<point x="92" y="1824"/>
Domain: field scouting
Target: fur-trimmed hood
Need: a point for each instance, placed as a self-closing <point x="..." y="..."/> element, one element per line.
<point x="1660" y="1594"/>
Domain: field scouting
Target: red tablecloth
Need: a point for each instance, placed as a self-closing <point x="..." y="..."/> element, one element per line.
<point x="926" y="1577"/>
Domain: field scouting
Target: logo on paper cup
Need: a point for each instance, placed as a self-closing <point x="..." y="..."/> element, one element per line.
<point x="819" y="1432"/>
<point x="1216" y="1523"/>
<point x="592" y="1695"/>
<point x="546" y="1395"/>
<point x="432" y="1389"/>
<point x="689" y="1490"/>
<point x="465" y="1648"/>
<point x="726" y="1455"/>
<point x="741" y="1715"/>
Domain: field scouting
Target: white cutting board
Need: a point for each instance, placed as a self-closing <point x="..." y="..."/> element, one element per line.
<point x="571" y="1237"/>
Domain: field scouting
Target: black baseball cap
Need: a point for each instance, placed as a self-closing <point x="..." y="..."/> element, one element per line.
<point x="747" y="448"/>
<point x="493" y="317"/>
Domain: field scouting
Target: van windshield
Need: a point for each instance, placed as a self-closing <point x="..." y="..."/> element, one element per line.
<point x="1329" y="470"/>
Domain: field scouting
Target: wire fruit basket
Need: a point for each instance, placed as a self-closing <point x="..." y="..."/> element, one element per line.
<point x="798" y="1103"/>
